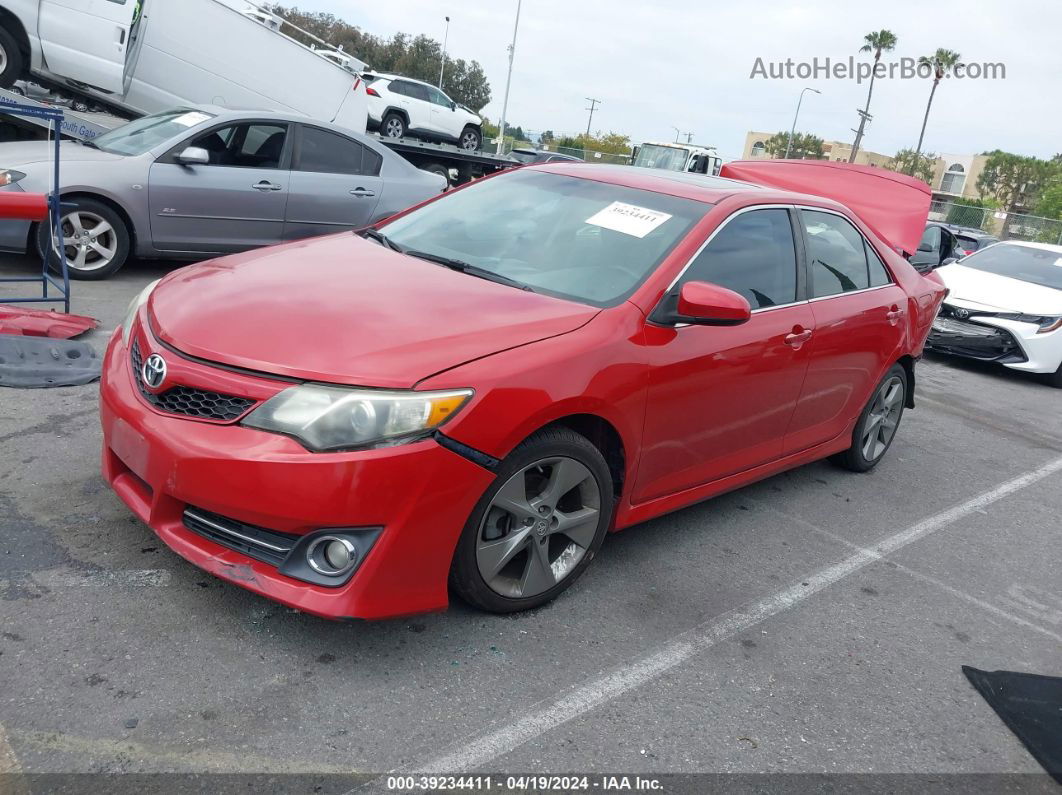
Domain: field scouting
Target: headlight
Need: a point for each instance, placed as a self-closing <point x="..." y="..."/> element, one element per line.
<point x="9" y="176"/>
<point x="1046" y="323"/>
<point x="335" y="418"/>
<point x="134" y="307"/>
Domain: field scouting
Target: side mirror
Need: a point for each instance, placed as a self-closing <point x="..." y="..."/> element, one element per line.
<point x="704" y="304"/>
<point x="194" y="156"/>
<point x="453" y="105"/>
<point x="948" y="261"/>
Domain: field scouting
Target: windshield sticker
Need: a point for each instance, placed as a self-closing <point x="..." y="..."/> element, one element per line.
<point x="628" y="219"/>
<point x="191" y="118"/>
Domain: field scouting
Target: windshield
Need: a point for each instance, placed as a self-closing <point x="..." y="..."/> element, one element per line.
<point x="143" y="134"/>
<point x="666" y="157"/>
<point x="1033" y="265"/>
<point x="573" y="238"/>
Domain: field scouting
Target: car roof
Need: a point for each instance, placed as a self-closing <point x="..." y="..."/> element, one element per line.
<point x="699" y="187"/>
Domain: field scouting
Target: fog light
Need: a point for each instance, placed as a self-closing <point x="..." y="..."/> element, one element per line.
<point x="331" y="556"/>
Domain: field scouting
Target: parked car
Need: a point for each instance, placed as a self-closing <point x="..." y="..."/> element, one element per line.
<point x="1005" y="306"/>
<point x="400" y="106"/>
<point x="196" y="182"/>
<point x="472" y="393"/>
<point x="969" y="240"/>
<point x="529" y="156"/>
<point x="944" y="243"/>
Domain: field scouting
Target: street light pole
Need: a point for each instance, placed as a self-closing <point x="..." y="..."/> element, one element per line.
<point x="508" y="80"/>
<point x="795" y="115"/>
<point x="677" y="133"/>
<point x="442" y="66"/>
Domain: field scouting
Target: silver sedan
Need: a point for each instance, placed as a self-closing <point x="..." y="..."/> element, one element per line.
<point x="197" y="182"/>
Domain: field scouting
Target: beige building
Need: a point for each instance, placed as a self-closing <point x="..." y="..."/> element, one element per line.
<point x="954" y="176"/>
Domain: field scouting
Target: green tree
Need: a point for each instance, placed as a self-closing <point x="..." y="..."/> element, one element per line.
<point x="805" y="146"/>
<point x="877" y="43"/>
<point x="914" y="164"/>
<point x="1016" y="181"/>
<point x="941" y="62"/>
<point x="418" y="57"/>
<point x="546" y="137"/>
<point x="1050" y="204"/>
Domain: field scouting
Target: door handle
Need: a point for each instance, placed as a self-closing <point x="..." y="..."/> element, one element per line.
<point x="362" y="192"/>
<point x="894" y="315"/>
<point x="797" y="338"/>
<point x="265" y="185"/>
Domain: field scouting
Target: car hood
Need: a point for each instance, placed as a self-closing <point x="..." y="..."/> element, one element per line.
<point x="24" y="153"/>
<point x="346" y="310"/>
<point x="991" y="292"/>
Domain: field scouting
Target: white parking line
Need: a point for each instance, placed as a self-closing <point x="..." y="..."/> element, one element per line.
<point x="66" y="578"/>
<point x="10" y="779"/>
<point x="493" y="743"/>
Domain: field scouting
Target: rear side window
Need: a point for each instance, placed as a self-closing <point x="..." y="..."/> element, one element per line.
<point x="879" y="275"/>
<point x="838" y="259"/>
<point x="754" y="255"/>
<point x="330" y="153"/>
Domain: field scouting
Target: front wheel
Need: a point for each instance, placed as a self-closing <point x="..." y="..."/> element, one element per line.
<point x="877" y="425"/>
<point x="537" y="527"/>
<point x="11" y="60"/>
<point x="470" y="139"/>
<point x="95" y="240"/>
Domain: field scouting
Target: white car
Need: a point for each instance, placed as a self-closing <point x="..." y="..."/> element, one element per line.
<point x="1004" y="305"/>
<point x="400" y="106"/>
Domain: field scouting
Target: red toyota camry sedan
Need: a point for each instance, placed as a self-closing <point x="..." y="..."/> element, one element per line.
<point x="468" y="397"/>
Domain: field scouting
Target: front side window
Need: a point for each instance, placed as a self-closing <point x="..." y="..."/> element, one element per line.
<point x="245" y="145"/>
<point x="753" y="254"/>
<point x="573" y="238"/>
<point x="327" y="152"/>
<point x="837" y="258"/>
<point x="438" y="98"/>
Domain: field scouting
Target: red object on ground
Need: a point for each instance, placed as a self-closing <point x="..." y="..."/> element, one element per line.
<point x="696" y="410"/>
<point x="18" y="206"/>
<point x="894" y="205"/>
<point x="43" y="323"/>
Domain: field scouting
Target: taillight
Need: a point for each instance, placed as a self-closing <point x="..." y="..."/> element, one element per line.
<point x="371" y="91"/>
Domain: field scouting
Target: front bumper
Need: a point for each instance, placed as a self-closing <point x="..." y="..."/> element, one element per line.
<point x="1012" y="343"/>
<point x="161" y="464"/>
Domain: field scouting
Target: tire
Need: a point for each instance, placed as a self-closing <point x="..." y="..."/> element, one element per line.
<point x="470" y="139"/>
<point x="885" y="410"/>
<point x="526" y="553"/>
<point x="92" y="247"/>
<point x="437" y="168"/>
<point x="79" y="106"/>
<point x="11" y="60"/>
<point x="1054" y="379"/>
<point x="393" y="125"/>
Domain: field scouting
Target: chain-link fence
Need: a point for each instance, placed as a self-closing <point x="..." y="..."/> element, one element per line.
<point x="1004" y="225"/>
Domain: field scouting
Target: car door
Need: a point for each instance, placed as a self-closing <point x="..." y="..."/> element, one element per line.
<point x="443" y="116"/>
<point x="720" y="397"/>
<point x="859" y="328"/>
<point x="235" y="202"/>
<point x="413" y="99"/>
<point x="87" y="40"/>
<point x="335" y="184"/>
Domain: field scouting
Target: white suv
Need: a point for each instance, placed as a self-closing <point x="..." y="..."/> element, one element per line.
<point x="399" y="106"/>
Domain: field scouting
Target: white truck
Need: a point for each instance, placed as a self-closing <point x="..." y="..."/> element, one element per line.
<point x="677" y="157"/>
<point x="146" y="56"/>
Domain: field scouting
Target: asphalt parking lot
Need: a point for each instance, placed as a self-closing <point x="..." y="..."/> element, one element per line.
<point x="813" y="623"/>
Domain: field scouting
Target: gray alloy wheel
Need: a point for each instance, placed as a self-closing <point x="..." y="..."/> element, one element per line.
<point x="538" y="527"/>
<point x="470" y="140"/>
<point x="3" y="62"/>
<point x="90" y="241"/>
<point x="883" y="419"/>
<point x="393" y="126"/>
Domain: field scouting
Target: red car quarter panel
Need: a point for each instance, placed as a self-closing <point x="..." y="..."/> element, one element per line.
<point x="466" y="398"/>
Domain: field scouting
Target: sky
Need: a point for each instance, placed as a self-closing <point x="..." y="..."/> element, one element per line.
<point x="666" y="64"/>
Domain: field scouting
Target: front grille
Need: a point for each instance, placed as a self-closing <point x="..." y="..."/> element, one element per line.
<point x="973" y="340"/>
<point x="267" y="546"/>
<point x="189" y="401"/>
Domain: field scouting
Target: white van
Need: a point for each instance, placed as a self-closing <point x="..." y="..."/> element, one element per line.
<point x="144" y="56"/>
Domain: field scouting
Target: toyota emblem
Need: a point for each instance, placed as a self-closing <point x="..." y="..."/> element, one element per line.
<point x="154" y="371"/>
<point x="962" y="314"/>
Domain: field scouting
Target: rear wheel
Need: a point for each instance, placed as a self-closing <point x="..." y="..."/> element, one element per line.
<point x="11" y="61"/>
<point x="95" y="240"/>
<point x="537" y="527"/>
<point x="437" y="168"/>
<point x="877" y="424"/>
<point x="393" y="126"/>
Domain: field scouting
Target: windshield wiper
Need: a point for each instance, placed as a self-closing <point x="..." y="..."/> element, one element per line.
<point x="469" y="268"/>
<point x="381" y="238"/>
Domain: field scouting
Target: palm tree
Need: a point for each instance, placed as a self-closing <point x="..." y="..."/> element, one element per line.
<point x="941" y="62"/>
<point x="879" y="42"/>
